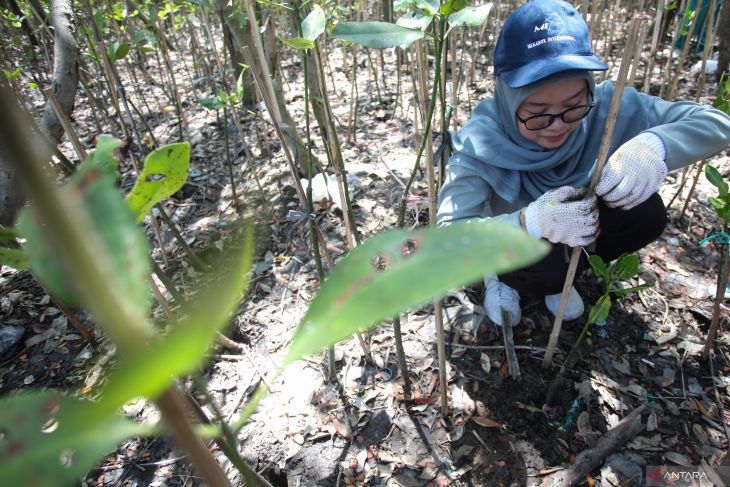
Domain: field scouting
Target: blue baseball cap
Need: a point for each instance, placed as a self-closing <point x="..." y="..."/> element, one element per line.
<point x="542" y="38"/>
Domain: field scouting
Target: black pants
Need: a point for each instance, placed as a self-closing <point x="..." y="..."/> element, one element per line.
<point x="621" y="231"/>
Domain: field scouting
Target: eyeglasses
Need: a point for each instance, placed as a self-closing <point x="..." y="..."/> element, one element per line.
<point x="539" y="122"/>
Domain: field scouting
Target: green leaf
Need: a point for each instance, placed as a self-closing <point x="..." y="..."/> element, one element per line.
<point x="298" y="43"/>
<point x="400" y="269"/>
<point x="471" y="16"/>
<point x="105" y="156"/>
<point x="93" y="197"/>
<point x="599" y="267"/>
<point x="627" y="266"/>
<point x="117" y="50"/>
<point x="183" y="349"/>
<point x="599" y="311"/>
<point x="165" y="171"/>
<point x="714" y="176"/>
<point x="378" y="35"/>
<point x="11" y="74"/>
<point x="452" y="6"/>
<point x="414" y="20"/>
<point x="239" y="84"/>
<point x="50" y="440"/>
<point x="15" y="258"/>
<point x="429" y="7"/>
<point x="623" y="292"/>
<point x="400" y="5"/>
<point x="99" y="20"/>
<point x="314" y="24"/>
<point x="212" y="103"/>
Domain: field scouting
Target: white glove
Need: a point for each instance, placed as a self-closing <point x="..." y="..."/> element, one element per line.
<point x="501" y="300"/>
<point x="564" y="215"/>
<point x="634" y="172"/>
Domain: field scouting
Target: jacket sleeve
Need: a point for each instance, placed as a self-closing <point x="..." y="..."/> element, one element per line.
<point x="466" y="195"/>
<point x="690" y="132"/>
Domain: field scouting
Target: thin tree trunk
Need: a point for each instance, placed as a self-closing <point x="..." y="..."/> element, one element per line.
<point x="723" y="34"/>
<point x="65" y="82"/>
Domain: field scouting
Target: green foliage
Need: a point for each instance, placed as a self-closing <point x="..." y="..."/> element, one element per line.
<point x="105" y="157"/>
<point x="378" y="35"/>
<point x="49" y="439"/>
<point x="48" y="442"/>
<point x="721" y="202"/>
<point x="164" y="173"/>
<point x="470" y="16"/>
<point x="313" y="25"/>
<point x="452" y="6"/>
<point x="298" y="43"/>
<point x="92" y="192"/>
<point x="15" y="258"/>
<point x="689" y="16"/>
<point x="622" y="269"/>
<point x="414" y="20"/>
<point x="400" y="269"/>
<point x="117" y="50"/>
<point x="722" y="102"/>
<point x="33" y="453"/>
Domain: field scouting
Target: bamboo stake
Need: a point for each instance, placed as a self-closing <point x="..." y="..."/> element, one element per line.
<point x="629" y="49"/>
<point x="654" y="43"/>
<point x="683" y="54"/>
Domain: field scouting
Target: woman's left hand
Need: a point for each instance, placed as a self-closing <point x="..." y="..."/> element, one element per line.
<point x="633" y="173"/>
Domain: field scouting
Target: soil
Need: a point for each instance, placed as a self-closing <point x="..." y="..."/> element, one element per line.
<point x="359" y="429"/>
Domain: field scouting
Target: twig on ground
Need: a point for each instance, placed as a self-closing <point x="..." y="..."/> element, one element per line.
<point x="588" y="460"/>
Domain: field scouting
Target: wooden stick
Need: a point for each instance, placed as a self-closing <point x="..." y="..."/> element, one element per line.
<point x="683" y="54"/>
<point x="609" y="443"/>
<point x="509" y="348"/>
<point x="629" y="51"/>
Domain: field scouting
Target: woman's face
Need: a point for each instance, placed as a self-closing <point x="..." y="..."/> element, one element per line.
<point x="553" y="99"/>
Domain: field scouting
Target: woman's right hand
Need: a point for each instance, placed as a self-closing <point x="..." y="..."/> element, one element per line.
<point x="564" y="215"/>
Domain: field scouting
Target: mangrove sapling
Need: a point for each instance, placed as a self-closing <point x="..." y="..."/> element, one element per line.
<point x="437" y="20"/>
<point x="613" y="274"/>
<point x="721" y="204"/>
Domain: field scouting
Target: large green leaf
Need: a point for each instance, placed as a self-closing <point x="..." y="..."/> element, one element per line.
<point x="117" y="50"/>
<point x="49" y="440"/>
<point x="452" y="6"/>
<point x="471" y="16"/>
<point x="599" y="267"/>
<point x="627" y="266"/>
<point x="714" y="176"/>
<point x="378" y="35"/>
<point x="429" y="7"/>
<point x="105" y="155"/>
<point x="183" y="349"/>
<point x="400" y="269"/>
<point x="314" y="24"/>
<point x="165" y="171"/>
<point x="414" y="20"/>
<point x="94" y="199"/>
